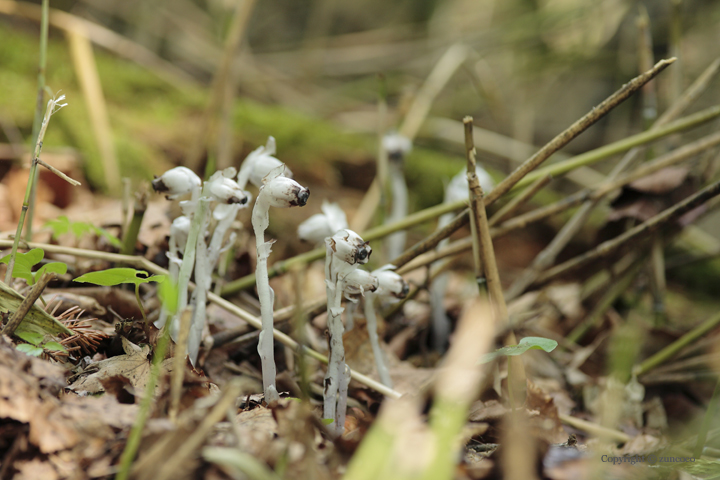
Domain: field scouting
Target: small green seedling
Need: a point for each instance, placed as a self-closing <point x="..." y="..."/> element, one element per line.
<point x="117" y="276"/>
<point x="36" y="346"/>
<point x="527" y="343"/>
<point x="24" y="262"/>
<point x="62" y="225"/>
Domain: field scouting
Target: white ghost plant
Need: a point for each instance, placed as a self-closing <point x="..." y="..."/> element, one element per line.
<point x="345" y="250"/>
<point x="277" y="191"/>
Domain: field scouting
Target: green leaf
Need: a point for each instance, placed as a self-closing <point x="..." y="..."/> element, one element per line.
<point x="327" y="421"/>
<point x="527" y="343"/>
<point x="168" y="293"/>
<point x="62" y="225"/>
<point x="54" y="267"/>
<point x="59" y="226"/>
<point x="31" y="337"/>
<point x="30" y="349"/>
<point x="24" y="262"/>
<point x="116" y="276"/>
<point x="54" y="347"/>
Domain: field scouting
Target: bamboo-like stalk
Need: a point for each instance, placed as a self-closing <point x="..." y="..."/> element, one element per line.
<point x="53" y="106"/>
<point x="37" y="119"/>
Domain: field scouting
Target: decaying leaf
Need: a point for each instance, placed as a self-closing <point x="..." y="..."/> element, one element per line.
<point x="134" y="365"/>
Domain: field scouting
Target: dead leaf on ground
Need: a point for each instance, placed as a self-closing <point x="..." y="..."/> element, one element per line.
<point x="134" y="365"/>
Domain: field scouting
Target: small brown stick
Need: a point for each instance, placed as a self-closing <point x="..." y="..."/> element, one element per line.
<point x="645" y="228"/>
<point x="671" y="158"/>
<point x="434" y="239"/>
<point x="178" y="372"/>
<point x="576" y="129"/>
<point x="57" y="172"/>
<point x="475" y="196"/>
<point x="513" y="205"/>
<point x="486" y="253"/>
<point x="27" y="303"/>
<point x="533" y="162"/>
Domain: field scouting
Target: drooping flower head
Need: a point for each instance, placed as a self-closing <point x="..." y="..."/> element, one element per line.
<point x="349" y="247"/>
<point x="322" y="225"/>
<point x="397" y="146"/>
<point x="258" y="164"/>
<point x="176" y="182"/>
<point x="282" y="191"/>
<point x="390" y="283"/>
<point x="224" y="189"/>
<point x="357" y="282"/>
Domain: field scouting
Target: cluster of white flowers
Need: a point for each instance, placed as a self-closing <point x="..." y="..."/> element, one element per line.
<point x="345" y="252"/>
<point x="226" y="189"/>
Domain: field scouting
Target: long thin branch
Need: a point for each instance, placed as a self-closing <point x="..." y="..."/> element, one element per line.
<point x="548" y="255"/>
<point x="576" y="129"/>
<point x="27" y="303"/>
<point x="645" y="228"/>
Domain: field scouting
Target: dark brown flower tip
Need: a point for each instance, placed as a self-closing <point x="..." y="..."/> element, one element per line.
<point x="158" y="185"/>
<point x="233" y="200"/>
<point x="363" y="253"/>
<point x="301" y="198"/>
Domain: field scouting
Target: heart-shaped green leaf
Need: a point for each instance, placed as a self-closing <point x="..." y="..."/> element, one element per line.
<point x="527" y="343"/>
<point x="24" y="262"/>
<point x="53" y="267"/>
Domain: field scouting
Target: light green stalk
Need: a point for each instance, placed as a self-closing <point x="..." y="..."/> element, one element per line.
<point x="52" y="107"/>
<point x="44" y="20"/>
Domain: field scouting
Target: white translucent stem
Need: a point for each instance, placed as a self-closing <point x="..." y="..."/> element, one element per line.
<point x="336" y="362"/>
<point x="395" y="243"/>
<point x="203" y="278"/>
<point x="375" y="341"/>
<point x="260" y="223"/>
<point x="219" y="234"/>
<point x="350" y="315"/>
<point x="342" y="400"/>
<point x="198" y="221"/>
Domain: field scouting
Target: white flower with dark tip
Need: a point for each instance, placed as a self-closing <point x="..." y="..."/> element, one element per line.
<point x="390" y="283"/>
<point x="358" y="282"/>
<point x="258" y="164"/>
<point x="222" y="188"/>
<point x="349" y="247"/>
<point x="277" y="191"/>
<point x="281" y="191"/>
<point x="396" y="145"/>
<point x="176" y="182"/>
<point x="322" y="225"/>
